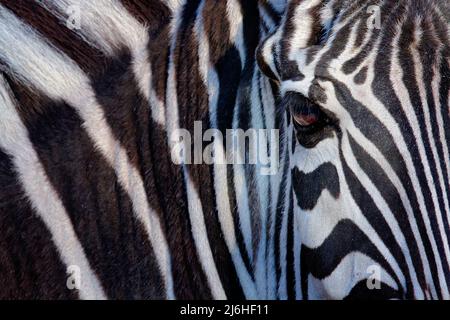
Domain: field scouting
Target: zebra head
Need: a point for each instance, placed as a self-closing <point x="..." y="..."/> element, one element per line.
<point x="367" y="86"/>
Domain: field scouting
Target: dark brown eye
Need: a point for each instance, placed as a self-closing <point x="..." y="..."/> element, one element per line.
<point x="305" y="113"/>
<point x="310" y="122"/>
<point x="305" y="119"/>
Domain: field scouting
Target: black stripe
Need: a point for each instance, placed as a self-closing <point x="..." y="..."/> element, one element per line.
<point x="361" y="33"/>
<point x="383" y="90"/>
<point x="271" y="12"/>
<point x="115" y="243"/>
<point x="361" y="76"/>
<point x="345" y="238"/>
<point x="308" y="187"/>
<point x="376" y="132"/>
<point x="227" y="63"/>
<point x="342" y="36"/>
<point x="428" y="51"/>
<point x="289" y="70"/>
<point x="362" y="292"/>
<point x="280" y="212"/>
<point x="217" y="29"/>
<point x="389" y="193"/>
<point x="192" y="106"/>
<point x="154" y="15"/>
<point x="88" y="58"/>
<point x="30" y="265"/>
<point x="389" y="11"/>
<point x="226" y="107"/>
<point x="290" y="247"/>
<point x="376" y="219"/>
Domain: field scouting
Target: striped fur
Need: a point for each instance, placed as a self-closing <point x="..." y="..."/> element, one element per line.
<point x="372" y="178"/>
<point x="86" y="117"/>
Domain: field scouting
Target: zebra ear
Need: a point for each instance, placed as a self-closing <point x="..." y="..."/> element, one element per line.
<point x="266" y="58"/>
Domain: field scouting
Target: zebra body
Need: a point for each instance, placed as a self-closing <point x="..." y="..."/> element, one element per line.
<point x="371" y="167"/>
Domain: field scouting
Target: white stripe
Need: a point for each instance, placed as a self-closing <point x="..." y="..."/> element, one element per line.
<point x="105" y="24"/>
<point x="437" y="81"/>
<point x="51" y="72"/>
<point x="418" y="68"/>
<point x="317" y="224"/>
<point x="195" y="208"/>
<point x="210" y="78"/>
<point x="354" y="266"/>
<point x="267" y="23"/>
<point x="267" y="53"/>
<point x="396" y="76"/>
<point x="109" y="27"/>
<point x="385" y="211"/>
<point x="235" y="19"/>
<point x="200" y="236"/>
<point x="262" y="186"/>
<point x="282" y="287"/>
<point x="268" y="108"/>
<point x="304" y="23"/>
<point x="228" y="227"/>
<point x="44" y="199"/>
<point x="372" y="150"/>
<point x="174" y="5"/>
<point x="297" y="256"/>
<point x="278" y="5"/>
<point x="377" y="108"/>
<point x="285" y="228"/>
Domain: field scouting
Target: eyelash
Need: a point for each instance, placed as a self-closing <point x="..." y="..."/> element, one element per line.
<point x="308" y="117"/>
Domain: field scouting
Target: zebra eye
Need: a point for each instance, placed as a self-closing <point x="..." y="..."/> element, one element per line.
<point x="307" y="115"/>
<point x="311" y="123"/>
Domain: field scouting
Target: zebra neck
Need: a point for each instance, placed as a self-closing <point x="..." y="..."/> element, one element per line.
<point x="212" y="72"/>
<point x="96" y="91"/>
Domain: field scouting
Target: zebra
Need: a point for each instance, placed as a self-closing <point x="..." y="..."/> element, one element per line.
<point x="87" y="183"/>
<point x="91" y="204"/>
<point x="367" y="86"/>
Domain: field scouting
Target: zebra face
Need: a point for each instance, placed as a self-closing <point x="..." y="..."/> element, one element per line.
<point x="367" y="86"/>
